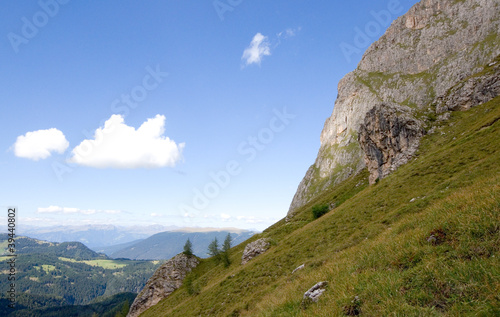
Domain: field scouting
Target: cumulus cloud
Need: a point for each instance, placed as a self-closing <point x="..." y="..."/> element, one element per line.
<point x="40" y="144"/>
<point x="259" y="47"/>
<point x="66" y="210"/>
<point x="117" y="145"/>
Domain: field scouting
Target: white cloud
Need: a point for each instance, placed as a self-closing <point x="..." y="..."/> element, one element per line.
<point x="117" y="145"/>
<point x="259" y="47"/>
<point x="288" y="33"/>
<point x="156" y="215"/>
<point x="39" y="144"/>
<point x="66" y="210"/>
<point x="225" y="216"/>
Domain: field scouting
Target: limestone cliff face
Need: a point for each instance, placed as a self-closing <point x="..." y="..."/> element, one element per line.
<point x="166" y="280"/>
<point x="424" y="63"/>
<point x="389" y="137"/>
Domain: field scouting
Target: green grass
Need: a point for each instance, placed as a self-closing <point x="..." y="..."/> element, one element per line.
<point x="376" y="243"/>
<point x="105" y="264"/>
<point x="45" y="267"/>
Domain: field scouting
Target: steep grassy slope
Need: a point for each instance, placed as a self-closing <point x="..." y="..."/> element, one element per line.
<point x="375" y="244"/>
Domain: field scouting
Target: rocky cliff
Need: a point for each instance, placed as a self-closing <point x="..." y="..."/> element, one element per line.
<point x="164" y="282"/>
<point x="429" y="61"/>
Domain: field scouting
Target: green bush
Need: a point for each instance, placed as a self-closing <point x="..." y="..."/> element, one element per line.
<point x="319" y="210"/>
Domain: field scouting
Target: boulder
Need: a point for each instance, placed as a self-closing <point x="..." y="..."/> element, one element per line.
<point x="315" y="292"/>
<point x="255" y="248"/>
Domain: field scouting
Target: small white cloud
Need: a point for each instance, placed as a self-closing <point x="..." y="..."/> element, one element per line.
<point x="259" y="47"/>
<point x="156" y="215"/>
<point x="67" y="210"/>
<point x="39" y="144"/>
<point x="225" y="216"/>
<point x="117" y="145"/>
<point x="288" y="33"/>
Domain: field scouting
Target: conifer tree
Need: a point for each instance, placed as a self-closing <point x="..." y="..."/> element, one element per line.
<point x="188" y="248"/>
<point x="225" y="250"/>
<point x="213" y="249"/>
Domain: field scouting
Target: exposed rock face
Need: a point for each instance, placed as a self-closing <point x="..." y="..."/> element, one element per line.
<point x="472" y="91"/>
<point x="389" y="137"/>
<point x="253" y="249"/>
<point x="429" y="57"/>
<point x="166" y="279"/>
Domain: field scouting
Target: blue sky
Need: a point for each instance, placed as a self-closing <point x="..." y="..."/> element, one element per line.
<point x="188" y="113"/>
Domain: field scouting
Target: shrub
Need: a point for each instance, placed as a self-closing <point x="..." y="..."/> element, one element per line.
<point x="319" y="210"/>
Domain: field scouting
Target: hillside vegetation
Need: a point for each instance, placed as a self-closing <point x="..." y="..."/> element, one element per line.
<point x="26" y="245"/>
<point x="113" y="306"/>
<point x="423" y="241"/>
<point x="52" y="276"/>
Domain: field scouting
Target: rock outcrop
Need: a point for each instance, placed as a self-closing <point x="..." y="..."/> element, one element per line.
<point x="430" y="59"/>
<point x="472" y="91"/>
<point x="389" y="136"/>
<point x="254" y="249"/>
<point x="164" y="281"/>
<point x="315" y="292"/>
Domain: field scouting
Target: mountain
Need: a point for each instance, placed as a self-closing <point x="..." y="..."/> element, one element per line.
<point x="400" y="213"/>
<point x="94" y="236"/>
<point x="436" y="50"/>
<point x="109" y="250"/>
<point x="165" y="245"/>
<point x="26" y="245"/>
<point x="58" y="275"/>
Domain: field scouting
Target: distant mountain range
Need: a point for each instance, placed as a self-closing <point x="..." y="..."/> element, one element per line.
<point x="165" y="245"/>
<point x="94" y="236"/>
<point x="155" y="242"/>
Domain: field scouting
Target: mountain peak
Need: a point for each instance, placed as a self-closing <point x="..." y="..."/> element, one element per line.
<point x="414" y="65"/>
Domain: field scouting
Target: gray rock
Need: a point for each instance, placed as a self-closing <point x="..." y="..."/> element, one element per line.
<point x="300" y="267"/>
<point x="431" y="239"/>
<point x="471" y="92"/>
<point x="254" y="249"/>
<point x="164" y="282"/>
<point x="444" y="117"/>
<point x="389" y="137"/>
<point x="431" y="57"/>
<point x="316" y="291"/>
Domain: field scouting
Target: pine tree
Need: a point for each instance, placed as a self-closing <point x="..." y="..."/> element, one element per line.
<point x="213" y="249"/>
<point x="225" y="250"/>
<point x="227" y="243"/>
<point x="188" y="248"/>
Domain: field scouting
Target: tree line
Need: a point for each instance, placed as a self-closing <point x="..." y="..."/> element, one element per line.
<point x="219" y="254"/>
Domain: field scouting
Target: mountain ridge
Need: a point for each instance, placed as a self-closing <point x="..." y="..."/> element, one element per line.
<point x="420" y="238"/>
<point x="165" y="245"/>
<point x="454" y="39"/>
